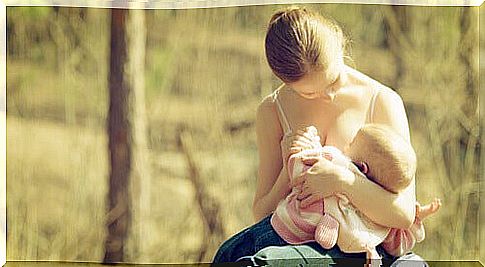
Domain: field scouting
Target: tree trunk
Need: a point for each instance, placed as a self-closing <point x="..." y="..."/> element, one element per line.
<point x="468" y="56"/>
<point x="129" y="175"/>
<point x="141" y="172"/>
<point x="119" y="143"/>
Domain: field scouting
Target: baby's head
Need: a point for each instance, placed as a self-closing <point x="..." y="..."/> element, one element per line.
<point x="390" y="160"/>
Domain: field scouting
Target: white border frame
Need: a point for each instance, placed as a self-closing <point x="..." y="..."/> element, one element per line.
<point x="3" y="134"/>
<point x="185" y="4"/>
<point x="172" y="4"/>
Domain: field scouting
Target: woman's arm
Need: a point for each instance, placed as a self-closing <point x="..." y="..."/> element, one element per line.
<point x="273" y="181"/>
<point x="393" y="210"/>
<point x="389" y="110"/>
<point x="380" y="205"/>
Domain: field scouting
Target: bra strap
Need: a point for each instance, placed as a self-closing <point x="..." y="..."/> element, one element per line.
<point x="370" y="111"/>
<point x="286" y="125"/>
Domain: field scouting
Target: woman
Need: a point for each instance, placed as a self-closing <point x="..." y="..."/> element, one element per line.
<point x="306" y="51"/>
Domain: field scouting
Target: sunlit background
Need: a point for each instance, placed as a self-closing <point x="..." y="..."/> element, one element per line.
<point x="205" y="73"/>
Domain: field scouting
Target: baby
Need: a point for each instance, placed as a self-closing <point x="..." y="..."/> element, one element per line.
<point x="381" y="155"/>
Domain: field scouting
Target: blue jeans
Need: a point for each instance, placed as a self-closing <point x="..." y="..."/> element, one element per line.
<point x="247" y="245"/>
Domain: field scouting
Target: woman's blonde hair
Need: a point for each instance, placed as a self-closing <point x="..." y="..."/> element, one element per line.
<point x="299" y="41"/>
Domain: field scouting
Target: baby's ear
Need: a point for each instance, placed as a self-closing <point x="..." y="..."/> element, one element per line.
<point x="364" y="168"/>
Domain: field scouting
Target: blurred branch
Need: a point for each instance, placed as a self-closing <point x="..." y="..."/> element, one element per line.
<point x="210" y="208"/>
<point x="437" y="152"/>
<point x="396" y="24"/>
<point x="397" y="33"/>
<point x="234" y="127"/>
<point x="468" y="51"/>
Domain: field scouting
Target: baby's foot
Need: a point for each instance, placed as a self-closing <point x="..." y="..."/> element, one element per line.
<point x="424" y="211"/>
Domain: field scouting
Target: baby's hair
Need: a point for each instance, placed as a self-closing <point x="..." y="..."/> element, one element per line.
<point x="299" y="41"/>
<point x="390" y="158"/>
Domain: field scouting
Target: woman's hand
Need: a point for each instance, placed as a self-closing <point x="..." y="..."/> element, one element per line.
<point x="306" y="138"/>
<point x="323" y="179"/>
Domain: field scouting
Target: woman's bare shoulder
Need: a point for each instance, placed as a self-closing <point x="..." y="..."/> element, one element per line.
<point x="364" y="80"/>
<point x="268" y="126"/>
<point x="267" y="111"/>
<point x="360" y="78"/>
<point x="267" y="104"/>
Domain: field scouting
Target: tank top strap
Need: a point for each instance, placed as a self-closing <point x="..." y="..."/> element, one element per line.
<point x="285" y="124"/>
<point x="370" y="111"/>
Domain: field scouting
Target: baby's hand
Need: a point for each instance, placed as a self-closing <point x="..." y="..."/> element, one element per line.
<point x="292" y="143"/>
<point x="424" y="211"/>
<point x="311" y="133"/>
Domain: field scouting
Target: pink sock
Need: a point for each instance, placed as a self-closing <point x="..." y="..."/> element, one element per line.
<point x="326" y="232"/>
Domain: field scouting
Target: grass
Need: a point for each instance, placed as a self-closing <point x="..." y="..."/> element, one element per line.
<point x="57" y="187"/>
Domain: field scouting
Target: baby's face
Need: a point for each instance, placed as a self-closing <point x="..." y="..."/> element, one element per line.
<point x="360" y="150"/>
